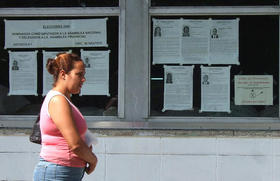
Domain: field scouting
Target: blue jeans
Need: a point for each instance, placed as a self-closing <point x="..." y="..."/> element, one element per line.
<point x="48" y="171"/>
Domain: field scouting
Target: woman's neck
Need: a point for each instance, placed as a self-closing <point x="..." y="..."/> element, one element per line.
<point x="62" y="91"/>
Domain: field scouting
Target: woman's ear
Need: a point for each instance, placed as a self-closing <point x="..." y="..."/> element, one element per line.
<point x="62" y="74"/>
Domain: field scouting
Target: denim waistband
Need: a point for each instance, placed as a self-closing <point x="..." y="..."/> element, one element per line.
<point x="51" y="171"/>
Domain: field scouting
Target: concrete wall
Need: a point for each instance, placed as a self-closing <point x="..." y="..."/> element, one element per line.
<point x="127" y="158"/>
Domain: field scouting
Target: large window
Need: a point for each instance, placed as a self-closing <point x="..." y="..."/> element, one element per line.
<point x="258" y="57"/>
<point x="90" y="105"/>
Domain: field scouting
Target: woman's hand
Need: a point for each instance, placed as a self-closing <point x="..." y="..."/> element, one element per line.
<point x="91" y="166"/>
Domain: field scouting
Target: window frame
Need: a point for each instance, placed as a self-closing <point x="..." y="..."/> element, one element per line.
<point x="126" y="118"/>
<point x="220" y="123"/>
<point x="26" y="121"/>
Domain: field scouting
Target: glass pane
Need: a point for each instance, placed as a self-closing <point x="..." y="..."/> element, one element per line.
<point x="214" y="3"/>
<point x="89" y="104"/>
<point x="58" y="3"/>
<point x="258" y="55"/>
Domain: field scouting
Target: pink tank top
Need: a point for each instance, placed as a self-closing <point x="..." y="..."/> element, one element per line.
<point x="54" y="147"/>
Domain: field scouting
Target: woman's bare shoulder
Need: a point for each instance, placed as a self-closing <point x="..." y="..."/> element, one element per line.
<point x="58" y="100"/>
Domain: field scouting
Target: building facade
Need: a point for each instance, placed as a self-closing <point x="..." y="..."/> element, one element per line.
<point x="164" y="123"/>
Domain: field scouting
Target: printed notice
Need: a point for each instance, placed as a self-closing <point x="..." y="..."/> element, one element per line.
<point x="224" y="44"/>
<point x="23" y="73"/>
<point x="97" y="72"/>
<point x="195" y="41"/>
<point x="178" y="88"/>
<point x="253" y="89"/>
<point x="166" y="41"/>
<point x="215" y="89"/>
<point x="55" y="33"/>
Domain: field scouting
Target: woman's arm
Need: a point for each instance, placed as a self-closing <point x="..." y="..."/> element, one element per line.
<point x="61" y="113"/>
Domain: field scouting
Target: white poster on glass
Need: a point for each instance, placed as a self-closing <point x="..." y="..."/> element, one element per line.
<point x="23" y="73"/>
<point x="195" y="41"/>
<point x="215" y="89"/>
<point x="253" y="89"/>
<point x="47" y="77"/>
<point x="97" y="72"/>
<point x="167" y="41"/>
<point x="224" y="41"/>
<point x="178" y="88"/>
<point x="55" y="33"/>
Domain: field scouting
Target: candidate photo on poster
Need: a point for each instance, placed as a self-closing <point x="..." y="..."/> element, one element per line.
<point x="157" y="32"/>
<point x="214" y="33"/>
<point x="186" y="31"/>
